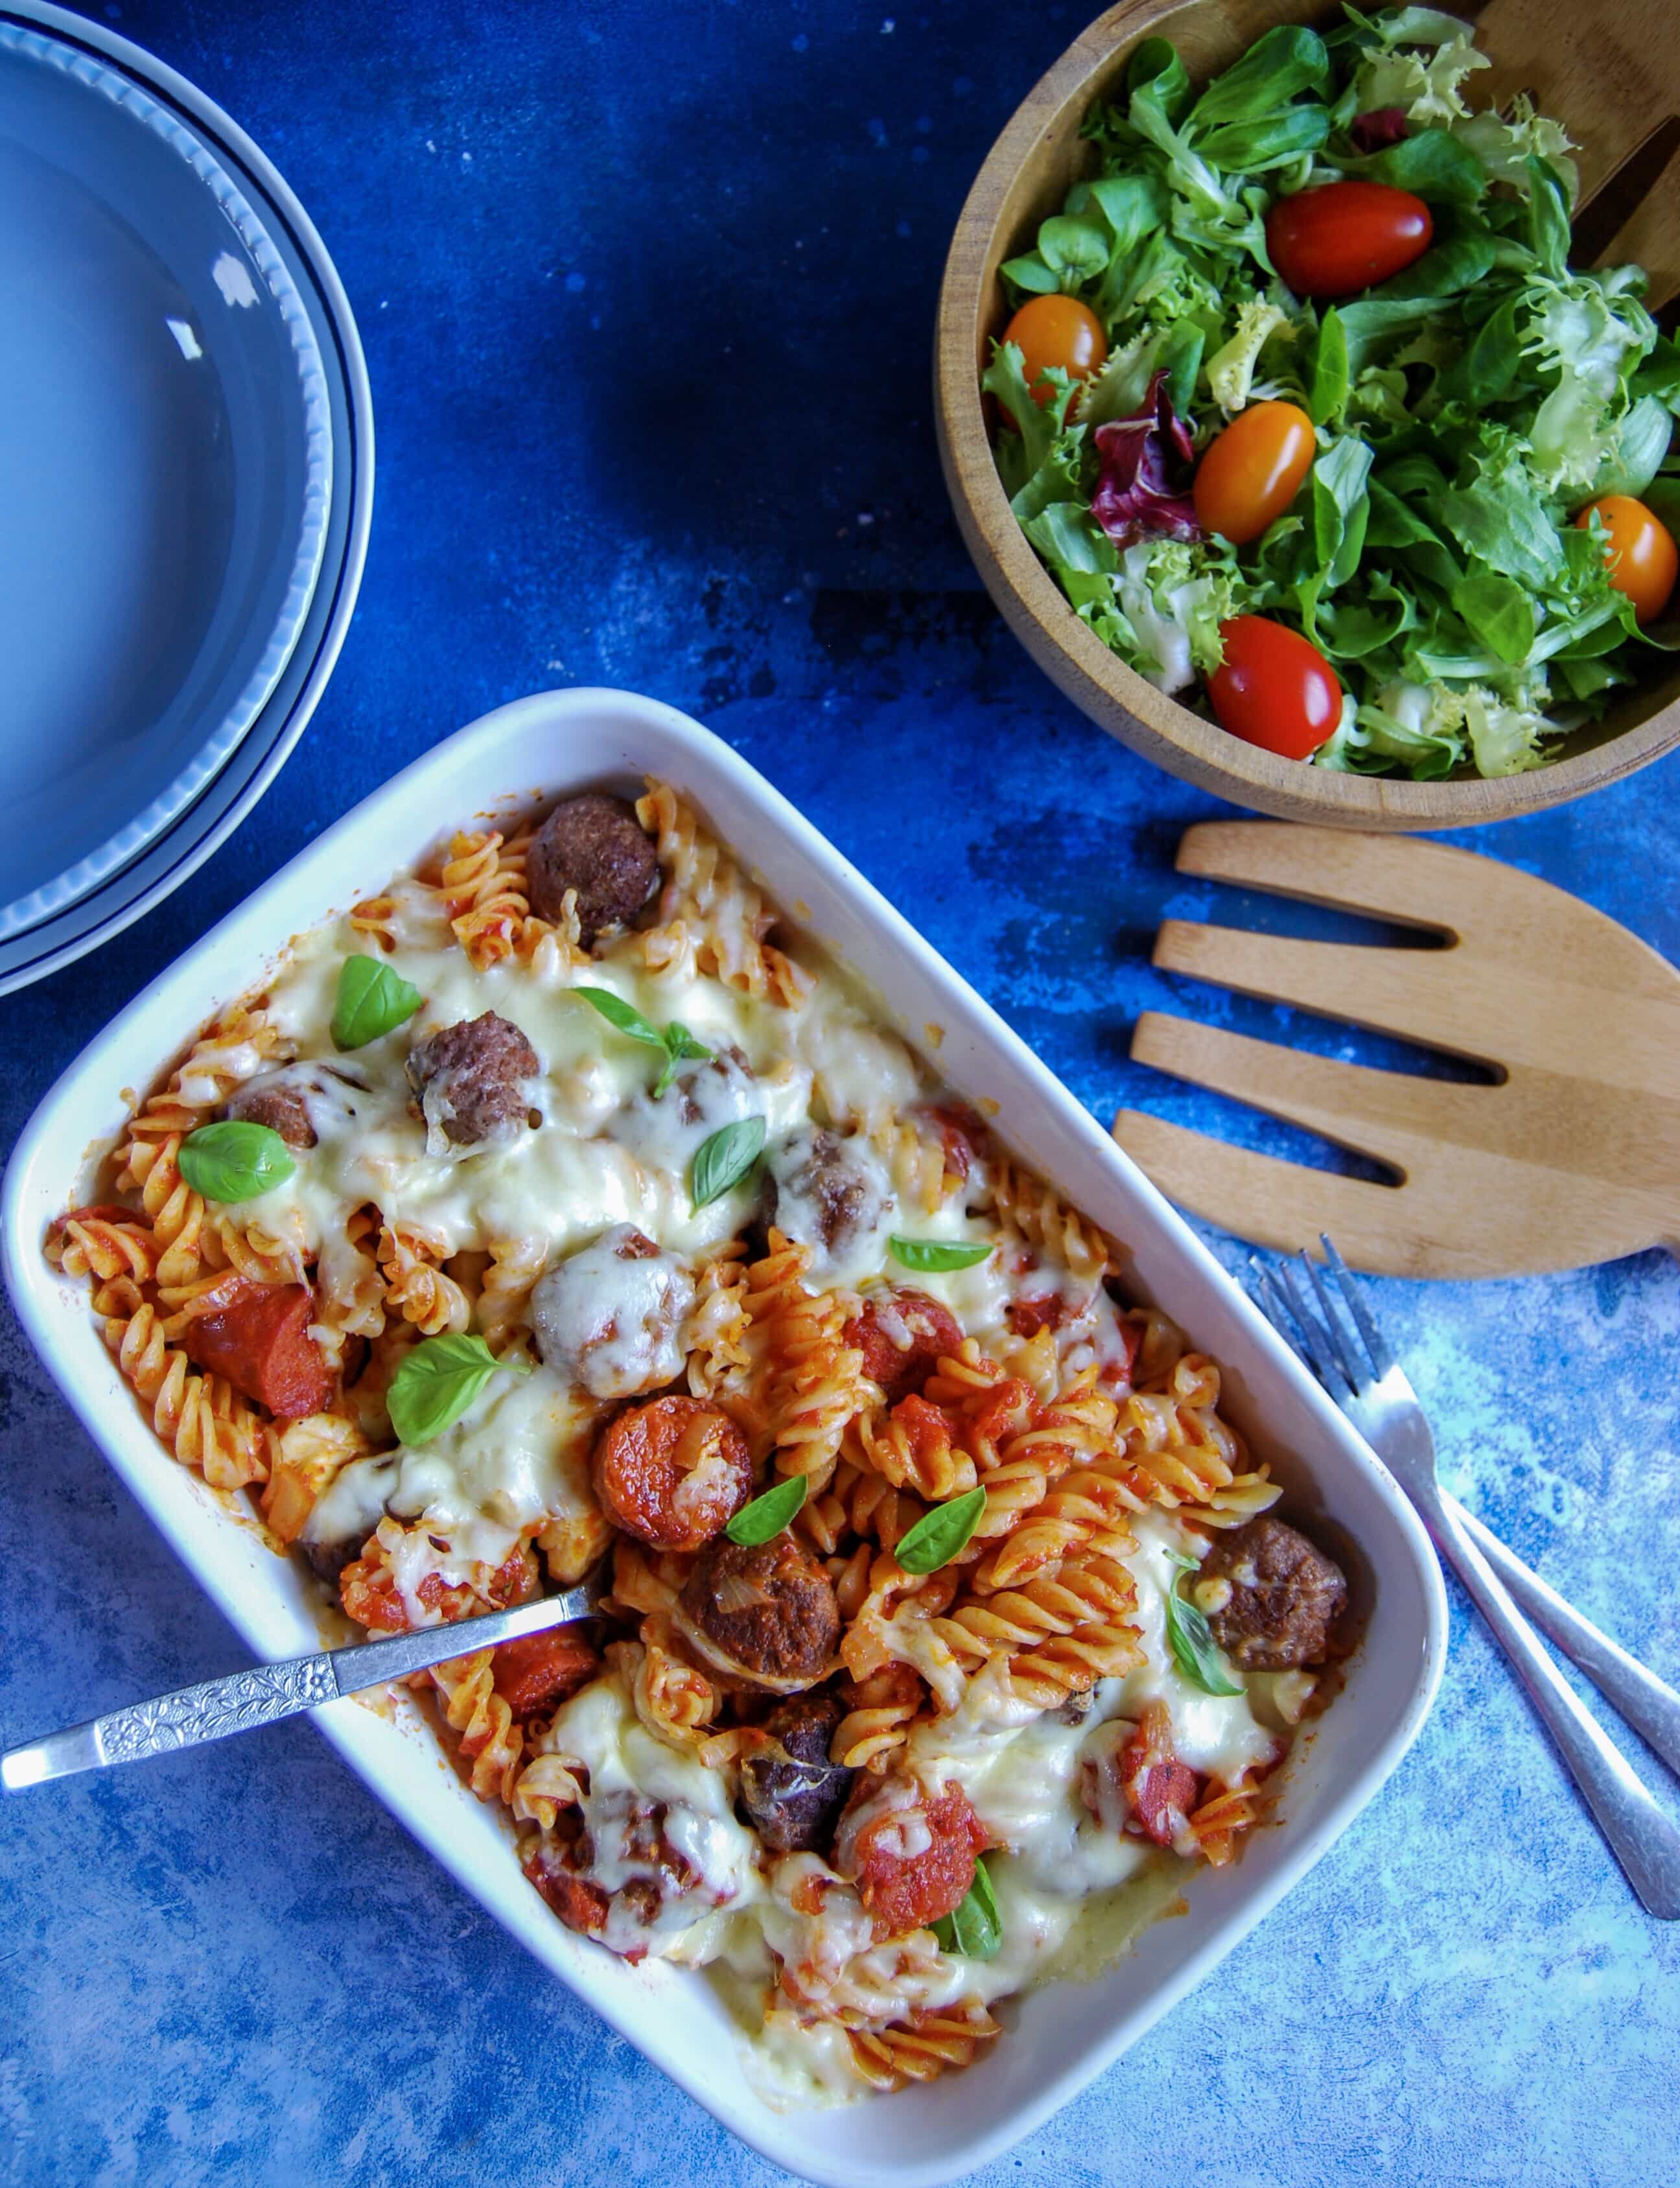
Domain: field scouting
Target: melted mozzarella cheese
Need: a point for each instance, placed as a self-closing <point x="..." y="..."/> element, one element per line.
<point x="1217" y="1733"/>
<point x="629" y="1767"/>
<point x="611" y="1314"/>
<point x="519" y="1454"/>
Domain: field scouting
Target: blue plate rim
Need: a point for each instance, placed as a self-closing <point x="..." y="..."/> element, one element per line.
<point x="135" y="98"/>
<point x="226" y="802"/>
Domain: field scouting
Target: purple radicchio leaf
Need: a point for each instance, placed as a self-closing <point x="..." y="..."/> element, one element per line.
<point x="1146" y="463"/>
<point x="1375" y="131"/>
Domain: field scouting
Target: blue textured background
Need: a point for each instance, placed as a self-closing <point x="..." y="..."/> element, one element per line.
<point x="647" y="293"/>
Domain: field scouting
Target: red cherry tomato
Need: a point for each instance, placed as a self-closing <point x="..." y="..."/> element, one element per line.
<point x="1640" y="552"/>
<point x="1275" y="690"/>
<point x="1347" y="236"/>
<point x="1056" y="330"/>
<point x="1250" y="474"/>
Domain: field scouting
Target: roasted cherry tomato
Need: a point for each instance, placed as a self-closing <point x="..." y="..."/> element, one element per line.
<point x="1056" y="330"/>
<point x="1640" y="552"/>
<point x="1346" y="236"/>
<point x="1275" y="690"/>
<point x="1252" y="472"/>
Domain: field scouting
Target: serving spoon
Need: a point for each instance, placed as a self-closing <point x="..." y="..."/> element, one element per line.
<point x="192" y="1716"/>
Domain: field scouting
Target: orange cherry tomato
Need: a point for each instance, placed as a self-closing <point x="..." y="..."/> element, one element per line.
<point x="1275" y="690"/>
<point x="1252" y="472"/>
<point x="1346" y="236"/>
<point x="1640" y="552"/>
<point x="1058" y="331"/>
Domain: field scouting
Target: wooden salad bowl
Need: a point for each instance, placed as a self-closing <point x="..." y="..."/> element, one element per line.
<point x="1604" y="69"/>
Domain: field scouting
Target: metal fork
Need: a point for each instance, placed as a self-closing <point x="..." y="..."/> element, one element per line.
<point x="1356" y="1368"/>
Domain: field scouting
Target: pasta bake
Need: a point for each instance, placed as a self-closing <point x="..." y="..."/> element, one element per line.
<point x="564" y="1202"/>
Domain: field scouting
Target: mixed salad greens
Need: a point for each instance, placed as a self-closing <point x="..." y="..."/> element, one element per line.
<point x="1467" y="526"/>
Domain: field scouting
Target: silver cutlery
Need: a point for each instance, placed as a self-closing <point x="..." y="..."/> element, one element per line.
<point x="1338" y="1337"/>
<point x="269" y="1692"/>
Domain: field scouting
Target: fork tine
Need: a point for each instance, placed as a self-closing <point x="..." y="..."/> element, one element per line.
<point x="1268" y="1297"/>
<point x="1353" y="1294"/>
<point x="1321" y="1351"/>
<point x="1347" y="1352"/>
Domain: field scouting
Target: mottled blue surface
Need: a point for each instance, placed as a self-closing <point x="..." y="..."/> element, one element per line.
<point x="647" y="293"/>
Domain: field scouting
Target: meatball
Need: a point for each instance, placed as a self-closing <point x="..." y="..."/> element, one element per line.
<point x="903" y="1335"/>
<point x="327" y="1559"/>
<point x="672" y="1472"/>
<point x="827" y="1192"/>
<point x="596" y="846"/>
<point x="471" y="1081"/>
<point x="1285" y="1596"/>
<point x="791" y="1792"/>
<point x="277" y="1102"/>
<point x="668" y="1130"/>
<point x="610" y="1315"/>
<point x="762" y="1612"/>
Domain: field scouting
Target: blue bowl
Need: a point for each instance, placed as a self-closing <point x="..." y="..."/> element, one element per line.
<point x="166" y="470"/>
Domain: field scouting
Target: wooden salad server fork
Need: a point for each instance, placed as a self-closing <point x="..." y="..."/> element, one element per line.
<point x="1572" y="1157"/>
<point x="1607" y="73"/>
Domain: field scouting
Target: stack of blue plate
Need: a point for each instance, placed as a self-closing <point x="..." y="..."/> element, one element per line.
<point x="186" y="479"/>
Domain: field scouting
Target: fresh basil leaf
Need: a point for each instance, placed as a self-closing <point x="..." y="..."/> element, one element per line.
<point x="1155" y="67"/>
<point x="939" y="1535"/>
<point x="725" y="1159"/>
<point x="1328" y="395"/>
<point x="1031" y="273"/>
<point x="435" y="1384"/>
<point x="975" y="1927"/>
<point x="1276" y="67"/>
<point x="932" y="1255"/>
<point x="1498" y="611"/>
<point x="1432" y="164"/>
<point x="1191" y="1641"/>
<point x="680" y="1048"/>
<point x="1075" y="251"/>
<point x="234" y="1160"/>
<point x="766" y="1517"/>
<point x="625" y="1016"/>
<point x="370" y="1001"/>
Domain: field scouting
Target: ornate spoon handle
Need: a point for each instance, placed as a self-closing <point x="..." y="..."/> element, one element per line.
<point x="268" y="1692"/>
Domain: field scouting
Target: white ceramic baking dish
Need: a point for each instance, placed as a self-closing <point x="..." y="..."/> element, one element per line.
<point x="1057" y="2038"/>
